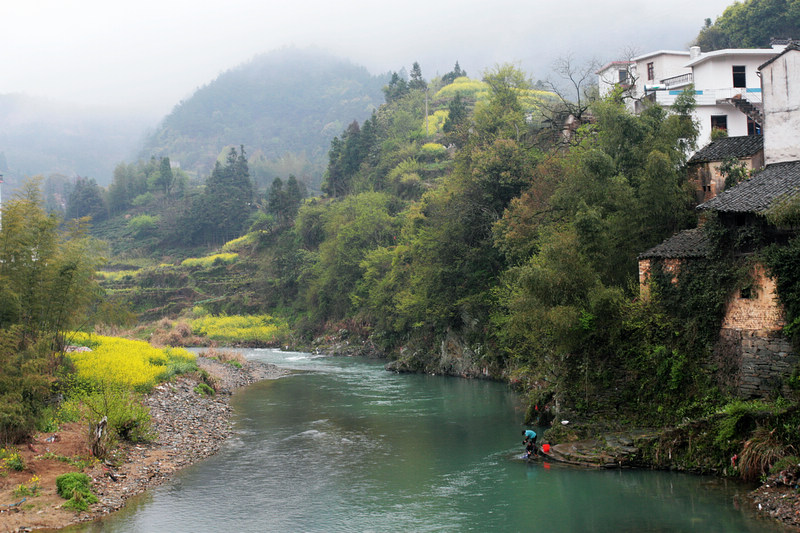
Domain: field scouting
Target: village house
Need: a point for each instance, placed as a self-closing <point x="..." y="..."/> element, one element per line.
<point x="754" y="354"/>
<point x="706" y="167"/>
<point x="726" y="82"/>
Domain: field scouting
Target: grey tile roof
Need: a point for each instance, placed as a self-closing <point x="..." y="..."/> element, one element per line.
<point x="684" y="244"/>
<point x="777" y="182"/>
<point x="721" y="149"/>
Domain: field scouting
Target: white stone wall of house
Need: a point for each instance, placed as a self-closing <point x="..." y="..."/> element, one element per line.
<point x="781" y="89"/>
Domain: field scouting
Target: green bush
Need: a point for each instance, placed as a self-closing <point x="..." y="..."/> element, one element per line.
<point x="75" y="487"/>
<point x="128" y="419"/>
<point x="204" y="390"/>
<point x="142" y="225"/>
<point x="791" y="462"/>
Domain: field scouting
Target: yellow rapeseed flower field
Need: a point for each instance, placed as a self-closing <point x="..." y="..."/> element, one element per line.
<point x="134" y="364"/>
<point x="209" y="260"/>
<point x="239" y="328"/>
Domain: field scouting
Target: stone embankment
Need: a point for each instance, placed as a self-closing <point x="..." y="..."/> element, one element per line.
<point x="189" y="427"/>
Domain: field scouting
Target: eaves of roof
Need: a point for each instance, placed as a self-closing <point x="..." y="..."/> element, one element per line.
<point x="683" y="245"/>
<point x="794" y="45"/>
<point x="778" y="182"/>
<point x="721" y="149"/>
<point x="732" y="52"/>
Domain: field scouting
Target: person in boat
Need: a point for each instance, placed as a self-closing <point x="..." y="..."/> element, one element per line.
<point x="530" y="441"/>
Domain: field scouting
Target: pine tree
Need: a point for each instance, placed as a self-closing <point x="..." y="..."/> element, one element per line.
<point x="417" y="82"/>
<point x="221" y="212"/>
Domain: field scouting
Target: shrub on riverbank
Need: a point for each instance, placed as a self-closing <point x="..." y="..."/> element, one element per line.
<point x="75" y="487"/>
<point x="743" y="439"/>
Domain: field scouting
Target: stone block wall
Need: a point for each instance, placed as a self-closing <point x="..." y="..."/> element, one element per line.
<point x="753" y="356"/>
<point x="756" y="363"/>
<point x="758" y="308"/>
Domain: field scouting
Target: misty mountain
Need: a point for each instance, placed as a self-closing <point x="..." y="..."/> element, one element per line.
<point x="284" y="107"/>
<point x="39" y="136"/>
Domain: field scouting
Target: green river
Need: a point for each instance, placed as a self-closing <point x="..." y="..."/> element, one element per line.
<point x="343" y="445"/>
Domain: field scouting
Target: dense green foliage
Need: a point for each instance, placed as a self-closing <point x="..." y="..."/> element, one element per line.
<point x="285" y="105"/>
<point x="783" y="263"/>
<point x="751" y="24"/>
<point x="46" y="288"/>
<point x="76" y="488"/>
<point x="223" y="208"/>
<point x="478" y="231"/>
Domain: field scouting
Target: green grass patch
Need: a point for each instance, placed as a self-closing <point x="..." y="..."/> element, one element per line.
<point x="75" y="487"/>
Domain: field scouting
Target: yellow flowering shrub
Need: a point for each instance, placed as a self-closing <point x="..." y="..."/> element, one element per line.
<point x="134" y="364"/>
<point x="239" y="328"/>
<point x="432" y="150"/>
<point x="435" y="122"/>
<point x="244" y="241"/>
<point x="474" y="89"/>
<point x="116" y="275"/>
<point x="209" y="260"/>
<point x="530" y="99"/>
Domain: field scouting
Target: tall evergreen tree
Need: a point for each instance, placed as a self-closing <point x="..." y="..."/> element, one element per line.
<point x="456" y="114"/>
<point x="221" y="212"/>
<point x="417" y="82"/>
<point x="451" y="76"/>
<point x="86" y="200"/>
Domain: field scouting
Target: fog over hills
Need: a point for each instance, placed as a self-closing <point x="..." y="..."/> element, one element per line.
<point x="285" y="107"/>
<point x="44" y="137"/>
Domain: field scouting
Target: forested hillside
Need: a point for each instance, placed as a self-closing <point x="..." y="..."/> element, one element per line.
<point x="751" y="24"/>
<point x="480" y="239"/>
<point x="284" y="106"/>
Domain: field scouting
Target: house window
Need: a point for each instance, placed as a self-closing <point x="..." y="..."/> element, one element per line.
<point x="651" y="71"/>
<point x="739" y="76"/>
<point x="719" y="122"/>
<point x="623" y="76"/>
<point x="753" y="127"/>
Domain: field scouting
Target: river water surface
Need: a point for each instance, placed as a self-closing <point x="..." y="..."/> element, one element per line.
<point x="342" y="445"/>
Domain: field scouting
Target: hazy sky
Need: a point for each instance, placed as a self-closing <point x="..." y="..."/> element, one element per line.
<point x="150" y="54"/>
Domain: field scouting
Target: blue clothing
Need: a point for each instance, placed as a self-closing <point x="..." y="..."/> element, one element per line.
<point x="530" y="434"/>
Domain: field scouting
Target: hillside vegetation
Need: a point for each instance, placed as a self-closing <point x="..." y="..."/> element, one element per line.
<point x="460" y="230"/>
<point x="751" y="24"/>
<point x="284" y="106"/>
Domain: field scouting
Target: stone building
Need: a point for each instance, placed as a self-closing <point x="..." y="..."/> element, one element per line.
<point x="705" y="165"/>
<point x="752" y="353"/>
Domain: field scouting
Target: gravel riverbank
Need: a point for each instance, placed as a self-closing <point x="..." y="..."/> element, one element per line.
<point x="189" y="427"/>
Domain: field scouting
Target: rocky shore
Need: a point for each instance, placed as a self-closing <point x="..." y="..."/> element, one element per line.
<point x="188" y="427"/>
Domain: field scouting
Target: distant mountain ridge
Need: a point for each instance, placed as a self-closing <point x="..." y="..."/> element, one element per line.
<point x="288" y="103"/>
<point x="40" y="136"/>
